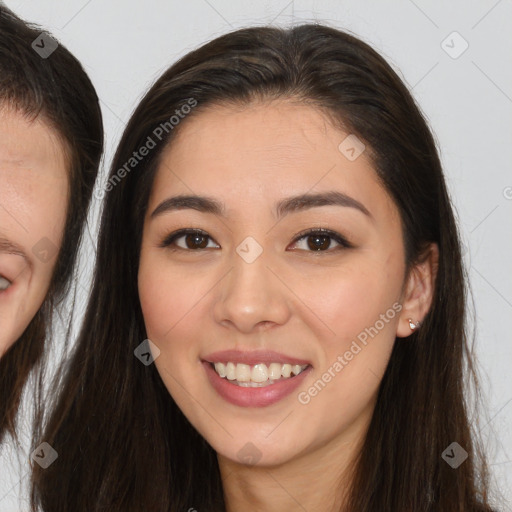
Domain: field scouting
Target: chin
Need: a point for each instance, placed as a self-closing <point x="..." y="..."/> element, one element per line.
<point x="258" y="452"/>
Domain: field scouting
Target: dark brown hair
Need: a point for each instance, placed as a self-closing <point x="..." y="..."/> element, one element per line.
<point x="123" y="443"/>
<point x="57" y="90"/>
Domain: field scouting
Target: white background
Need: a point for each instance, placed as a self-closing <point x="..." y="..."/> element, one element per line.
<point x="125" y="45"/>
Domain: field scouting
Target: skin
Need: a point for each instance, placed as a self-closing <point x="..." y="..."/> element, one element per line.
<point x="33" y="199"/>
<point x="291" y="299"/>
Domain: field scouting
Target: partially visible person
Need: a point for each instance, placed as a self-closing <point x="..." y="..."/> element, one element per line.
<point x="51" y="141"/>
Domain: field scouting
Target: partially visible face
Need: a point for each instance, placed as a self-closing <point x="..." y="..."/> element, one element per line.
<point x="315" y="291"/>
<point x="33" y="202"/>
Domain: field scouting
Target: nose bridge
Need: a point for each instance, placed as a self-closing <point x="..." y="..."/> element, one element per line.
<point x="251" y="295"/>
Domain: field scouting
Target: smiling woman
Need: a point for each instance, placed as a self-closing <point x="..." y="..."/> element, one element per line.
<point x="51" y="139"/>
<point x="291" y="237"/>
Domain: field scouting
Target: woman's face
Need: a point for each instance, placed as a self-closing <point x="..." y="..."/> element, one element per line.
<point x="257" y="296"/>
<point x="33" y="199"/>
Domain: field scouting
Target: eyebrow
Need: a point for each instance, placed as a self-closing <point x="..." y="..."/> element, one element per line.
<point x="9" y="247"/>
<point x="282" y="208"/>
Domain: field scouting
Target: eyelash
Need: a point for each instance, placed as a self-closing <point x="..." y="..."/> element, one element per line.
<point x="343" y="243"/>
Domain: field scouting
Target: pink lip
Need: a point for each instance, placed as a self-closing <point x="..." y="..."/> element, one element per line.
<point x="253" y="397"/>
<point x="252" y="357"/>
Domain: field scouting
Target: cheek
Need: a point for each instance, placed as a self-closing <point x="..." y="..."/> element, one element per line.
<point x="351" y="299"/>
<point x="359" y="305"/>
<point x="160" y="305"/>
<point x="168" y="296"/>
<point x="359" y="309"/>
<point x="342" y="302"/>
<point x="169" y="303"/>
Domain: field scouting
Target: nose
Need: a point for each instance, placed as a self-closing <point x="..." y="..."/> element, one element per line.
<point x="251" y="298"/>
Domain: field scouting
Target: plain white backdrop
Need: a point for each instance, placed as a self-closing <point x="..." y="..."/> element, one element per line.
<point x="456" y="59"/>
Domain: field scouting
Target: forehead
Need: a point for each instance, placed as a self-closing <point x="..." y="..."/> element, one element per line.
<point x="28" y="143"/>
<point x="273" y="133"/>
<point x="263" y="152"/>
<point x="33" y="172"/>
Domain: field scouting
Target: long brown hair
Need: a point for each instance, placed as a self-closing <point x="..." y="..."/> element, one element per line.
<point x="58" y="90"/>
<point x="123" y="443"/>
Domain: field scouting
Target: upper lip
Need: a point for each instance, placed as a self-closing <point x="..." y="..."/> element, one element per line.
<point x="252" y="357"/>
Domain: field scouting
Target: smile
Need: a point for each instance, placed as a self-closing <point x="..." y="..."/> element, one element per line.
<point x="258" y="375"/>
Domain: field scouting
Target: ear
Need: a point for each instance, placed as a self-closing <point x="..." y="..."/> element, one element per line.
<point x="418" y="291"/>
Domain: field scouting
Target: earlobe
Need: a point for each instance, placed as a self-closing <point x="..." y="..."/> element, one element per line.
<point x="418" y="292"/>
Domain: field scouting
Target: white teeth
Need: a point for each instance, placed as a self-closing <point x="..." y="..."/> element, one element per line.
<point x="243" y="373"/>
<point x="220" y="368"/>
<point x="296" y="369"/>
<point x="274" y="371"/>
<point x="259" y="374"/>
<point x="254" y="384"/>
<point x="231" y="371"/>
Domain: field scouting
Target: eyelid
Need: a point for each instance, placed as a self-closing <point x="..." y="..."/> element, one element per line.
<point x="11" y="266"/>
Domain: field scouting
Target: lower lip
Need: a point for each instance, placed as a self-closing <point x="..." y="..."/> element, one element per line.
<point x="253" y="397"/>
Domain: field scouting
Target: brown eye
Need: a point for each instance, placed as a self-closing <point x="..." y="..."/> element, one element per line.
<point x="196" y="241"/>
<point x="189" y="240"/>
<point x="319" y="242"/>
